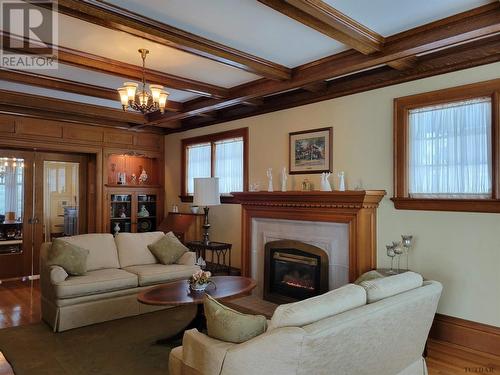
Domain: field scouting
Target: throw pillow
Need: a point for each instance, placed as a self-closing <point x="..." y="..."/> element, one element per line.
<point x="72" y="258"/>
<point x="229" y="325"/>
<point x="168" y="249"/>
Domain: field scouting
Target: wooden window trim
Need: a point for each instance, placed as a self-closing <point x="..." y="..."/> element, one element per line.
<point x="212" y="138"/>
<point x="402" y="105"/>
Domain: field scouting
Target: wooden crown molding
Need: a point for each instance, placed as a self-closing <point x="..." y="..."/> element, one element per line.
<point x="116" y="18"/>
<point x="465" y="27"/>
<point x="55" y="83"/>
<point x="322" y="17"/>
<point x="105" y="65"/>
<point x="452" y="59"/>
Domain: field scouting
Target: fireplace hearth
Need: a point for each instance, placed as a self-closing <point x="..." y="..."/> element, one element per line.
<point x="293" y="271"/>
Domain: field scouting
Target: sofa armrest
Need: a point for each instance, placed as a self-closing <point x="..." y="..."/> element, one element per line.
<point x="204" y="353"/>
<point x="187" y="259"/>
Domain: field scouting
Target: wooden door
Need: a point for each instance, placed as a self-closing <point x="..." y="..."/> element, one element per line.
<point x="63" y="203"/>
<point x="16" y="251"/>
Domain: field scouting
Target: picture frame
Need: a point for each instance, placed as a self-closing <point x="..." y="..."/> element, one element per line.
<point x="310" y="151"/>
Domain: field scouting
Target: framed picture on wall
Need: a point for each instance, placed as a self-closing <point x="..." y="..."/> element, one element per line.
<point x="310" y="151"/>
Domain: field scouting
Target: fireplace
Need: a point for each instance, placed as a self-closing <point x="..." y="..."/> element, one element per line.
<point x="293" y="271"/>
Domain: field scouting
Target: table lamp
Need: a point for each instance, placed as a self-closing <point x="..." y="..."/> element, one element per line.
<point x="206" y="193"/>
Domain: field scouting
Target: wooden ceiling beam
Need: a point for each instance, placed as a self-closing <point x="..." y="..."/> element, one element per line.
<point x="54" y="83"/>
<point x="316" y="86"/>
<point x="105" y="65"/>
<point x="116" y="18"/>
<point x="446" y="33"/>
<point x="404" y="63"/>
<point x="322" y="17"/>
<point x="464" y="56"/>
<point x="19" y="101"/>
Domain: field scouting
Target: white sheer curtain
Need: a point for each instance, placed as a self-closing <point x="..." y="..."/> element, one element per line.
<point x="229" y="165"/>
<point x="450" y="150"/>
<point x="11" y="187"/>
<point x="199" y="163"/>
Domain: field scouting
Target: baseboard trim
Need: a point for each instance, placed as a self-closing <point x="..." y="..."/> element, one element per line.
<point x="465" y="333"/>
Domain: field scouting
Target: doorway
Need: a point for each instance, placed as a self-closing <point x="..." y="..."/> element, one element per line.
<point x="42" y="196"/>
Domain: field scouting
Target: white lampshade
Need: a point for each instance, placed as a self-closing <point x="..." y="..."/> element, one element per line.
<point x="206" y="192"/>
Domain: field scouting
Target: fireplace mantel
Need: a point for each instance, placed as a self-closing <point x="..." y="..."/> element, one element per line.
<point x="357" y="208"/>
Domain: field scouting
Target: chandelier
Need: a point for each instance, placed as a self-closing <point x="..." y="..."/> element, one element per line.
<point x="143" y="101"/>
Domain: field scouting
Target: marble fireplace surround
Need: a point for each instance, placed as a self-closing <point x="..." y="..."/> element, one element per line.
<point x="343" y="223"/>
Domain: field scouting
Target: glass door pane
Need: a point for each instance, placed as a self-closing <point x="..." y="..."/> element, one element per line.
<point x="11" y="205"/>
<point x="61" y="199"/>
<point x="146" y="215"/>
<point x="121" y="213"/>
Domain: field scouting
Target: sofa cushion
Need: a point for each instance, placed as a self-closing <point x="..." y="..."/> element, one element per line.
<point x="69" y="256"/>
<point x="133" y="248"/>
<point x="229" y="325"/>
<point x="384" y="287"/>
<point x="310" y="310"/>
<point x="160" y="273"/>
<point x="168" y="249"/>
<point x="94" y="282"/>
<point x="101" y="247"/>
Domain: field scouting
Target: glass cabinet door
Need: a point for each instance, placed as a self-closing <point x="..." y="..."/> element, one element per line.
<point x="121" y="213"/>
<point x="146" y="212"/>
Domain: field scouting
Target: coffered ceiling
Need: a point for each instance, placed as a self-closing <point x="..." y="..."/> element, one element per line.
<point x="227" y="59"/>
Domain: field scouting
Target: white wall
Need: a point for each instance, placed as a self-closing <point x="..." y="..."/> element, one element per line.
<point x="461" y="250"/>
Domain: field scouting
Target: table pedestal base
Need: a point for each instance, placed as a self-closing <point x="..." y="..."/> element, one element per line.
<point x="199" y="322"/>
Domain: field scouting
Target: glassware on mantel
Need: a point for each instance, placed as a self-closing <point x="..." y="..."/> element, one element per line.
<point x="391" y="254"/>
<point x="398" y="249"/>
<point x="407" y="243"/>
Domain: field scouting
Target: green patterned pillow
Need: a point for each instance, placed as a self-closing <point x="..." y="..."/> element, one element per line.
<point x="168" y="249"/>
<point x="229" y="325"/>
<point x="68" y="256"/>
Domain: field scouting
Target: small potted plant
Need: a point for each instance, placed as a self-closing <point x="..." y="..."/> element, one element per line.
<point x="200" y="280"/>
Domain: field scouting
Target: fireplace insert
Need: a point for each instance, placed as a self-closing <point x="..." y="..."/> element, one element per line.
<point x="293" y="271"/>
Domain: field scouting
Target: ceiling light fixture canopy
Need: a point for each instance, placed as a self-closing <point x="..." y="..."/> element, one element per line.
<point x="143" y="101"/>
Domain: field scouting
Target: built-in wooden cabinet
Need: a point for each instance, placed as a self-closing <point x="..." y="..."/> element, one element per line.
<point x="134" y="193"/>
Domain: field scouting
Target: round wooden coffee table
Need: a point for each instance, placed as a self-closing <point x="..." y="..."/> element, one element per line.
<point x="178" y="293"/>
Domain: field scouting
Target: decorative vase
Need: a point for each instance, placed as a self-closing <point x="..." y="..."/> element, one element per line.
<point x="198" y="287"/>
<point x="284" y="177"/>
<point x="269" y="174"/>
<point x="117" y="229"/>
<point x="143" y="212"/>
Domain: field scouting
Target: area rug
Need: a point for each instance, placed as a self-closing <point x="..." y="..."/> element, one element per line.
<point x="124" y="346"/>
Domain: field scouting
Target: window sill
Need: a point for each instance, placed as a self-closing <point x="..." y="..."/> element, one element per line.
<point x="229" y="199"/>
<point x="464" y="205"/>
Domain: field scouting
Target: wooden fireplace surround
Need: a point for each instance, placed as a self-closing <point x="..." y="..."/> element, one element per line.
<point x="358" y="209"/>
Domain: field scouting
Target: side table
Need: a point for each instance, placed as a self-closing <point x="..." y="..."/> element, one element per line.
<point x="218" y="258"/>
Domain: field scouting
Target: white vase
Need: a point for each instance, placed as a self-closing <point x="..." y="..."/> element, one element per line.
<point x="198" y="287"/>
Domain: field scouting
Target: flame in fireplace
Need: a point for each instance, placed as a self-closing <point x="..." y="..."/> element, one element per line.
<point x="304" y="284"/>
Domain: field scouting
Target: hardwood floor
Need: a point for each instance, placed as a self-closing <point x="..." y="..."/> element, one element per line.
<point x="20" y="305"/>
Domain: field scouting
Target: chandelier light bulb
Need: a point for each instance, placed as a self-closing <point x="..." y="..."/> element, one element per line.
<point x="162" y="102"/>
<point x="131" y="88"/>
<point x="123" y="91"/>
<point x="155" y="93"/>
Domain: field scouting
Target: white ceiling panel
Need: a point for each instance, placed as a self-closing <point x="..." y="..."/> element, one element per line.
<point x="27" y="89"/>
<point x="246" y="25"/>
<point x="104" y="80"/>
<point x="98" y="40"/>
<point x="388" y="17"/>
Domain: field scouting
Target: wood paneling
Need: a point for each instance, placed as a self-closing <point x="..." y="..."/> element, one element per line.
<point x="116" y="18"/>
<point x="149" y="140"/>
<point x="327" y="20"/>
<point x="355" y="208"/>
<point x="83" y="133"/>
<point x="118" y="138"/>
<point x="44" y="128"/>
<point x="7" y="125"/>
<point x="402" y="199"/>
<point x="472" y="335"/>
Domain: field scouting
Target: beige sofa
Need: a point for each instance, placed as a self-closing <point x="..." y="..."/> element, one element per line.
<point x="376" y="328"/>
<point x="118" y="269"/>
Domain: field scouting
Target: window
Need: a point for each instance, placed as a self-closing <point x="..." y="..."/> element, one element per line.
<point x="219" y="155"/>
<point x="446" y="149"/>
<point x="11" y="186"/>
